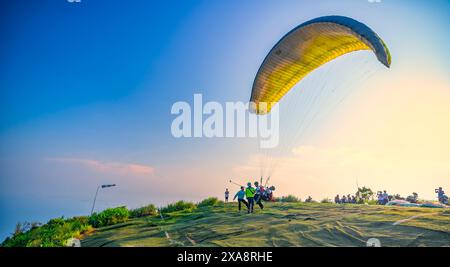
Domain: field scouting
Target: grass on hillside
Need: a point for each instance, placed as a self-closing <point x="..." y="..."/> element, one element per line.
<point x="281" y="224"/>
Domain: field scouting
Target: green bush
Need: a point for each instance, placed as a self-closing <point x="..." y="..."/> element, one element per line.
<point x="149" y="210"/>
<point x="326" y="200"/>
<point x="364" y="194"/>
<point x="52" y="234"/>
<point x="109" y="217"/>
<point x="56" y="232"/>
<point x="414" y="198"/>
<point x="179" y="206"/>
<point x="290" y="199"/>
<point x="211" y="201"/>
<point x="397" y="197"/>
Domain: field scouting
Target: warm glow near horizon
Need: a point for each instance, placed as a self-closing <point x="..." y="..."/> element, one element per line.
<point x="391" y="135"/>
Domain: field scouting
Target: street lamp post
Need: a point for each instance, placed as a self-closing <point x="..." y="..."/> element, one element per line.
<point x="96" y="192"/>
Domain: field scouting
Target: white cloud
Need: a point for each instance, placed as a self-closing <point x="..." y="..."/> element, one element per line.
<point x="108" y="167"/>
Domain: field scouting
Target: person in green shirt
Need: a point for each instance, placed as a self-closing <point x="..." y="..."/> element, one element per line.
<point x="250" y="194"/>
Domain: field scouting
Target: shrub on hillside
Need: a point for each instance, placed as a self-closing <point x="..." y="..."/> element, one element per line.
<point x="397" y="197"/>
<point x="149" y="210"/>
<point x="290" y="199"/>
<point x="56" y="232"/>
<point x="414" y="198"/>
<point x="109" y="217"/>
<point x="179" y="206"/>
<point x="25" y="227"/>
<point x="326" y="200"/>
<point x="52" y="234"/>
<point x="211" y="201"/>
<point x="364" y="194"/>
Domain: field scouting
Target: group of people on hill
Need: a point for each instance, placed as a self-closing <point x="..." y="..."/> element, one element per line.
<point x="345" y="199"/>
<point x="382" y="198"/>
<point x="250" y="196"/>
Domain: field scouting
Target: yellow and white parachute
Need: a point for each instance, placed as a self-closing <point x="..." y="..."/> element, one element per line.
<point x="307" y="47"/>
<point x="301" y="51"/>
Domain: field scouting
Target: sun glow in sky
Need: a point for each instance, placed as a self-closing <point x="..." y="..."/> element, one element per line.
<point x="390" y="136"/>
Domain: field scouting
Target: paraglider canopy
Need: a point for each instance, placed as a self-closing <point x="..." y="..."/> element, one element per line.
<point x="307" y="47"/>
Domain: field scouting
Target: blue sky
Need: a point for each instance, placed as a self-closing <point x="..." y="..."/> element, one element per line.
<point x="91" y="84"/>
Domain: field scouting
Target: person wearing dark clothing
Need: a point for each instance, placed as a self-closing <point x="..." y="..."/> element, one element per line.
<point x="240" y="195"/>
<point x="258" y="195"/>
<point x="227" y="194"/>
<point x="337" y="199"/>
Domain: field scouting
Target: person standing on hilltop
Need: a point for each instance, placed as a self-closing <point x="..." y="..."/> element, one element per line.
<point x="385" y="197"/>
<point x="227" y="194"/>
<point x="250" y="194"/>
<point x="442" y="198"/>
<point x="337" y="199"/>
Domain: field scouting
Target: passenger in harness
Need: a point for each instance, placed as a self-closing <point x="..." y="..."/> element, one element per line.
<point x="268" y="193"/>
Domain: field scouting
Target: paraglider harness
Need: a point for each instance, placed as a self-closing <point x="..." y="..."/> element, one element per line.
<point x="267" y="193"/>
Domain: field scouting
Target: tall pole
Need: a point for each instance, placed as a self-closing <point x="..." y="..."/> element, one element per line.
<point x="235" y="183"/>
<point x="95" y="198"/>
